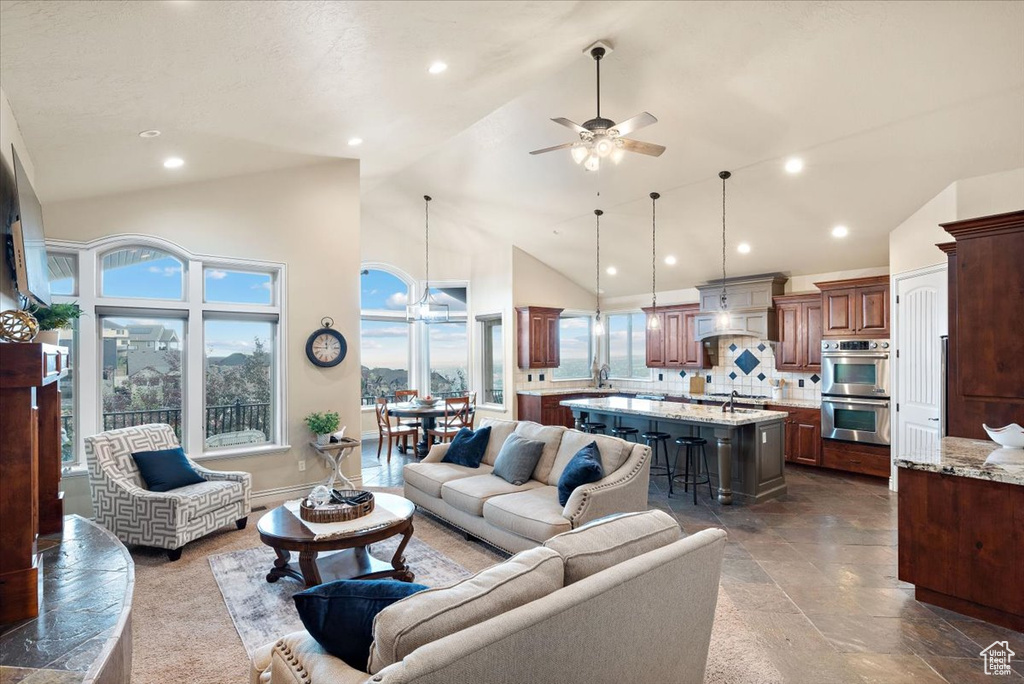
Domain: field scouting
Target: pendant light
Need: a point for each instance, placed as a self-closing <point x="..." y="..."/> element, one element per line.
<point x="652" y="319"/>
<point x="723" y="316"/>
<point x="427" y="309"/>
<point x="598" y="326"/>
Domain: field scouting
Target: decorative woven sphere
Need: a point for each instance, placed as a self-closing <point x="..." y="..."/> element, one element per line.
<point x="18" y="326"/>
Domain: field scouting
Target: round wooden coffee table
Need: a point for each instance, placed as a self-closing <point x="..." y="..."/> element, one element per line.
<point x="344" y="557"/>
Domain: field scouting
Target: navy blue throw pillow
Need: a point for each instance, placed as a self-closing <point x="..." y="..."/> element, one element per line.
<point x="339" y="615"/>
<point x="468" y="447"/>
<point x="166" y="469"/>
<point x="584" y="468"/>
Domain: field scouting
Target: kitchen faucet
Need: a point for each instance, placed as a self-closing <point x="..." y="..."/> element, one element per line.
<point x="602" y="375"/>
<point x="731" y="403"/>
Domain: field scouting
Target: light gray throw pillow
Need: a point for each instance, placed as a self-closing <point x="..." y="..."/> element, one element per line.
<point x="517" y="459"/>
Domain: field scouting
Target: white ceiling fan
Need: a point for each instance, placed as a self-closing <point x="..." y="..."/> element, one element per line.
<point x="602" y="138"/>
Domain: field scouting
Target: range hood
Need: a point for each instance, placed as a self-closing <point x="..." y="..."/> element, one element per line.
<point x="749" y="306"/>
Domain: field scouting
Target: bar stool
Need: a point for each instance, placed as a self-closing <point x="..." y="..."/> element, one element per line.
<point x="691" y="444"/>
<point x="594" y="428"/>
<point x="626" y="433"/>
<point x="653" y="438"/>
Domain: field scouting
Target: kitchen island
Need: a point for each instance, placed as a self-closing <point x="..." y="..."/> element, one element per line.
<point x="748" y="443"/>
<point x="961" y="528"/>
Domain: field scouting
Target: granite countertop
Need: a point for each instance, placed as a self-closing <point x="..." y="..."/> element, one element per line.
<point x="976" y="458"/>
<point x="557" y="391"/>
<point x="673" y="410"/>
<point x="794" y="403"/>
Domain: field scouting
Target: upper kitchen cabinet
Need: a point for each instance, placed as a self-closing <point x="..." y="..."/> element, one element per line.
<point x="799" y="332"/>
<point x="674" y="344"/>
<point x="538" y="337"/>
<point x="985" y="378"/>
<point x="858" y="307"/>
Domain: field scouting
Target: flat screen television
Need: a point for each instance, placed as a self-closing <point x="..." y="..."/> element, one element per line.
<point x="31" y="269"/>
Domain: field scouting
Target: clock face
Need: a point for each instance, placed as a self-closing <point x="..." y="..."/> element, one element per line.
<point x="326" y="347"/>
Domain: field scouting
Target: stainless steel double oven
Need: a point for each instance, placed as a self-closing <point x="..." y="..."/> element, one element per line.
<point x="855" y="393"/>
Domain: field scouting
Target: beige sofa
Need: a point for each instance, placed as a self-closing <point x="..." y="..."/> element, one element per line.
<point x="632" y="601"/>
<point x="514" y="518"/>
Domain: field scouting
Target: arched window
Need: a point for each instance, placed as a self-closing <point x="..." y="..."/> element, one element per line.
<point x="142" y="273"/>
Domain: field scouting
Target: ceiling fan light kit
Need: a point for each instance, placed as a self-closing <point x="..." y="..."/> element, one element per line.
<point x="602" y="138"/>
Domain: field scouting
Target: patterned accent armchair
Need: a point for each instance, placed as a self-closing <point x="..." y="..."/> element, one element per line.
<point x="166" y="520"/>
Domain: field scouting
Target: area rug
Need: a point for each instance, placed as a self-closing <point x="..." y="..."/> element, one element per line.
<point x="263" y="611"/>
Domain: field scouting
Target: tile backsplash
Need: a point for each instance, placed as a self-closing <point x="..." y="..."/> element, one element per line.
<point x="745" y="364"/>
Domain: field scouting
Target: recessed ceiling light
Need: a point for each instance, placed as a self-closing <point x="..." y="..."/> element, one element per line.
<point x="743" y="248"/>
<point x="174" y="163"/>
<point x="611" y="270"/>
<point x="352" y="142"/>
<point x="151" y="133"/>
<point x="794" y="165"/>
<point x="670" y="260"/>
<point x="437" y="67"/>
<point x="840" y="232"/>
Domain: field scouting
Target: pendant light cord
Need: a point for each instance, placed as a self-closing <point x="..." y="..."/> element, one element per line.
<point x="426" y="221"/>
<point x="724" y="175"/>
<point x="598" y="213"/>
<point x="654" y="250"/>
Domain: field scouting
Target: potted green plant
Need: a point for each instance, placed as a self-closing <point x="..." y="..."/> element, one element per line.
<point x="322" y="425"/>
<point x="54" y="318"/>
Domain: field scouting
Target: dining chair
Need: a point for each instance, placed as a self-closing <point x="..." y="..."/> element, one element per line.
<point x="457" y="415"/>
<point x="403" y="396"/>
<point x="392" y="432"/>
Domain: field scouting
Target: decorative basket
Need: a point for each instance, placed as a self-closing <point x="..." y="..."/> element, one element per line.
<point x="332" y="512"/>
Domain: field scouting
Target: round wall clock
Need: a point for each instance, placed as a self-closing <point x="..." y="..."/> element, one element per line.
<point x="326" y="347"/>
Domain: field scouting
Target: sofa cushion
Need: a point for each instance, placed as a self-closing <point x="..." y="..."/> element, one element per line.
<point x="467" y="447"/>
<point x="517" y="459"/>
<point x="608" y="541"/>
<point x="468" y="494"/>
<point x="199" y="499"/>
<point x="500" y="430"/>
<point x="428" y="477"/>
<point x="551" y="435"/>
<point x="534" y="514"/>
<point x="583" y="468"/>
<point x="339" y="615"/>
<point x="166" y="469"/>
<point x="614" y="452"/>
<point x="430" y="615"/>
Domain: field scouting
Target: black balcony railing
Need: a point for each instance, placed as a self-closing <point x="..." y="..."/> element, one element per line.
<point x="123" y="419"/>
<point x="219" y="419"/>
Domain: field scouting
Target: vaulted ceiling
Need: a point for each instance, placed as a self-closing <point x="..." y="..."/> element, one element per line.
<point x="886" y="103"/>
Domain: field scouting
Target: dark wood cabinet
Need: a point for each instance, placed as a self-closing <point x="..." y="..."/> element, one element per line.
<point x="858" y="307"/>
<point x="673" y="343"/>
<point x="31" y="502"/>
<point x="799" y="332"/>
<point x="547" y="409"/>
<point x="538" y="337"/>
<point x="985" y="379"/>
<point x="802" y="441"/>
<point x="853" y="457"/>
<point x="961" y="543"/>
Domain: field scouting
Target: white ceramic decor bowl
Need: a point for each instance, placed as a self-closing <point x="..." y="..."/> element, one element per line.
<point x="1011" y="436"/>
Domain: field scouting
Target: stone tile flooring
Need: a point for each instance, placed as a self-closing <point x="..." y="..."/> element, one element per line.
<point x="815" y="577"/>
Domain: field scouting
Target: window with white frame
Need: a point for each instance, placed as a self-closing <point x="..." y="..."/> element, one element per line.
<point x="576" y="347"/>
<point x="447" y="345"/>
<point x="384" y="335"/>
<point x="170" y="337"/>
<point x="627" y="346"/>
<point x="492" y="359"/>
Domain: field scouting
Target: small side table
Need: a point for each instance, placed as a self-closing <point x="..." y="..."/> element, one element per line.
<point x="335" y="453"/>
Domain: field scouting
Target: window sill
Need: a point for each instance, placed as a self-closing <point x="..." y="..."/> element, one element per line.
<point x="75" y="471"/>
<point x="241" y="452"/>
<point x="492" y="407"/>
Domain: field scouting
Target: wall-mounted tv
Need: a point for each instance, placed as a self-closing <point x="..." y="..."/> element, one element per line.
<point x="31" y="274"/>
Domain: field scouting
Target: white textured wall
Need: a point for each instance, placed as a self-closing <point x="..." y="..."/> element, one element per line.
<point x="306" y="217"/>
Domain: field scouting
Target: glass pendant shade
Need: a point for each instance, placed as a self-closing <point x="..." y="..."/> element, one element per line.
<point x="653" y="323"/>
<point x="593" y="163"/>
<point x="427" y="309"/>
<point x="579" y="152"/>
<point x="617" y="154"/>
<point x="603" y="147"/>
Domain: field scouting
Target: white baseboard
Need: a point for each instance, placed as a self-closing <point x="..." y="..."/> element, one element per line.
<point x="369" y="435"/>
<point x="278" y="495"/>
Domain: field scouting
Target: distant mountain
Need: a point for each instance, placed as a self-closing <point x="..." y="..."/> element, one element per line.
<point x="236" y="359"/>
<point x="387" y="375"/>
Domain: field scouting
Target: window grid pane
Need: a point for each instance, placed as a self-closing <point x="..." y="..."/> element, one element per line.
<point x="618" y="345"/>
<point x="142" y="273"/>
<point x="63" y="273"/>
<point x="638" y="350"/>
<point x="575" y="350"/>
<point x="68" y="456"/>
<point x="493" y="371"/>
<point x="384" y="346"/>
<point x="239" y="379"/>
<point x="238" y="287"/>
<point x="449" y="356"/>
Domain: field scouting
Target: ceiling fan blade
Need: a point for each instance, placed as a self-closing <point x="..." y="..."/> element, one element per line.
<point x="552" y="149"/>
<point x="636" y="123"/>
<point x="650" y="149"/>
<point x="570" y="124"/>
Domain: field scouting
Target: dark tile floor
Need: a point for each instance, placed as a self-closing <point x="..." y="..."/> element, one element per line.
<point x="814" y="575"/>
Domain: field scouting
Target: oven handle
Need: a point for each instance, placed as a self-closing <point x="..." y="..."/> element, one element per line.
<point x="854" y="355"/>
<point x="844" y="400"/>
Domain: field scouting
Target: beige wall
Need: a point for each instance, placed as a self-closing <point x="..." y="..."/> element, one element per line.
<point x="912" y="243"/>
<point x="306" y="217"/>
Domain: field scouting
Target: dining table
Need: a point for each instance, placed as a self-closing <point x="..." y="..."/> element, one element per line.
<point x="426" y="415"/>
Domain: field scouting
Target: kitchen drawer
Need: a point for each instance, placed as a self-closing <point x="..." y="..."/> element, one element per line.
<point x="856" y="458"/>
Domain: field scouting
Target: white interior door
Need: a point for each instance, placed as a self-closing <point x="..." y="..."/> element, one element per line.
<point x="921" y="320"/>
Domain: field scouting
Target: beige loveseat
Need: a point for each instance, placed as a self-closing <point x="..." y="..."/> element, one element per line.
<point x="624" y="599"/>
<point x="514" y="518"/>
